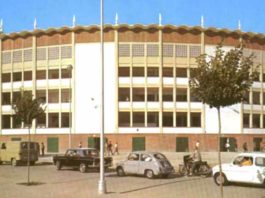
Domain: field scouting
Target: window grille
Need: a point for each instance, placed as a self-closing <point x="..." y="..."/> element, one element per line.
<point x="28" y="55"/>
<point x="124" y="50"/>
<point x="181" y="51"/>
<point x="53" y="53"/>
<point x="66" y="52"/>
<point x="152" y="50"/>
<point x="6" y="57"/>
<point x="17" y="56"/>
<point x="195" y="51"/>
<point x="138" y="50"/>
<point x="41" y="54"/>
<point x="168" y="50"/>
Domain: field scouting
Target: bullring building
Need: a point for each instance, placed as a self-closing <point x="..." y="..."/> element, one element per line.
<point x="148" y="103"/>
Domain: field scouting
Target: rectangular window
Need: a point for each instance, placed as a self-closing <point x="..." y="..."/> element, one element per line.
<point x="152" y="50"/>
<point x="138" y="119"/>
<point x="52" y="144"/>
<point x="53" y="120"/>
<point x="167" y="50"/>
<point x="41" y="121"/>
<point x="138" y="71"/>
<point x="152" y="119"/>
<point x="152" y="94"/>
<point x="124" y="119"/>
<point x="256" y="97"/>
<point x="27" y="75"/>
<point x="152" y="72"/>
<point x="124" y="71"/>
<point x="16" y="96"/>
<point x="65" y="73"/>
<point x="167" y="119"/>
<point x="65" y="120"/>
<point x="246" y="120"/>
<point x="17" y="76"/>
<point x="181" y="119"/>
<point x="167" y="72"/>
<point x="53" y="74"/>
<point x="124" y="94"/>
<point x="195" y="119"/>
<point x="65" y="95"/>
<point x="193" y="98"/>
<point x="181" y="51"/>
<point x="124" y="50"/>
<point x="41" y="74"/>
<point x="16" y="122"/>
<point x="53" y="96"/>
<point x="168" y="94"/>
<point x="181" y="72"/>
<point x="246" y="98"/>
<point x="137" y="50"/>
<point x="181" y="95"/>
<point x="41" y="95"/>
<point x="6" y="98"/>
<point x="138" y="143"/>
<point x="256" y="120"/>
<point x="6" y="77"/>
<point x="138" y="94"/>
<point x="6" y="123"/>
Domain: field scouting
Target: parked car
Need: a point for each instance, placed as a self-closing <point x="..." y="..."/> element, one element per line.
<point x="82" y="158"/>
<point x="149" y="164"/>
<point x="16" y="152"/>
<point x="246" y="168"/>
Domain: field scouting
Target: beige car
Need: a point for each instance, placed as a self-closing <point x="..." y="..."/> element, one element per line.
<point x="17" y="152"/>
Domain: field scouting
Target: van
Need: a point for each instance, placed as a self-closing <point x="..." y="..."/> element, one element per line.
<point x="16" y="152"/>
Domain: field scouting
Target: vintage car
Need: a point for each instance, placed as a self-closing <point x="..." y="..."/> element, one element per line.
<point x="149" y="164"/>
<point x="16" y="152"/>
<point x="246" y="168"/>
<point x="82" y="158"/>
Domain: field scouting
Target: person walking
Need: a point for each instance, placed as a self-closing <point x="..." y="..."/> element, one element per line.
<point x="245" y="147"/>
<point x="110" y="148"/>
<point x="80" y="144"/>
<point x="116" y="149"/>
<point x="227" y="145"/>
<point x="42" y="149"/>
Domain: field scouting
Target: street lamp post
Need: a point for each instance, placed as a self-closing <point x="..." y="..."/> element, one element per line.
<point x="102" y="182"/>
<point x="69" y="69"/>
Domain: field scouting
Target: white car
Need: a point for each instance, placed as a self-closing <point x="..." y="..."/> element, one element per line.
<point x="245" y="168"/>
<point x="145" y="163"/>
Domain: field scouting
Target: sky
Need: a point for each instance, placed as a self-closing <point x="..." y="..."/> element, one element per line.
<point x="19" y="15"/>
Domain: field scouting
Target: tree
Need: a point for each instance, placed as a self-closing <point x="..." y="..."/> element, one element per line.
<point x="222" y="80"/>
<point x="27" y="109"/>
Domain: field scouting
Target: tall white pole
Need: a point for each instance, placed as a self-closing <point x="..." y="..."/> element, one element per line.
<point x="102" y="183"/>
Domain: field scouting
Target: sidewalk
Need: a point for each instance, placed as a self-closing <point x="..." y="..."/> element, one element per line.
<point x="175" y="158"/>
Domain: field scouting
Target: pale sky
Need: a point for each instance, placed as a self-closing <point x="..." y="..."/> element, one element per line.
<point x="19" y="15"/>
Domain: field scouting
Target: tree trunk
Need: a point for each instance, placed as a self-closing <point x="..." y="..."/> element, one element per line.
<point x="28" y="162"/>
<point x="219" y="150"/>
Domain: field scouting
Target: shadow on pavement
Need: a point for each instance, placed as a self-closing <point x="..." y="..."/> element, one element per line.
<point x="31" y="183"/>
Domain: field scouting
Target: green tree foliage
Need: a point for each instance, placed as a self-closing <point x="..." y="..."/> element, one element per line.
<point x="27" y="109"/>
<point x="222" y="80"/>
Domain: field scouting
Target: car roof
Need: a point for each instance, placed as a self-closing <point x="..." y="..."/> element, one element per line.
<point x="254" y="154"/>
<point x="82" y="149"/>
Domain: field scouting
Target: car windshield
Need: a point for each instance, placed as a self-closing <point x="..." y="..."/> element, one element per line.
<point x="159" y="156"/>
<point x="24" y="145"/>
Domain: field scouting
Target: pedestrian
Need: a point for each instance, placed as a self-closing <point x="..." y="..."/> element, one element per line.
<point x="80" y="144"/>
<point x="116" y="148"/>
<point x="42" y="149"/>
<point x="227" y="145"/>
<point x="196" y="160"/>
<point x="110" y="148"/>
<point x="106" y="148"/>
<point x="245" y="147"/>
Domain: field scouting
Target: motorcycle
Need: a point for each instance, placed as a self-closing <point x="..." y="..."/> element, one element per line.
<point x="203" y="169"/>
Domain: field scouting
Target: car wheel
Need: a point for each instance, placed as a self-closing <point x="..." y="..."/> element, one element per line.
<point x="149" y="174"/>
<point x="14" y="162"/>
<point x="120" y="171"/>
<point x="58" y="165"/>
<point x="220" y="179"/>
<point x="82" y="168"/>
<point x="182" y="170"/>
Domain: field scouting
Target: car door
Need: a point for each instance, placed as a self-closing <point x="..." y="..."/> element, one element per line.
<point x="132" y="163"/>
<point x="238" y="172"/>
<point x="259" y="170"/>
<point x="144" y="163"/>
